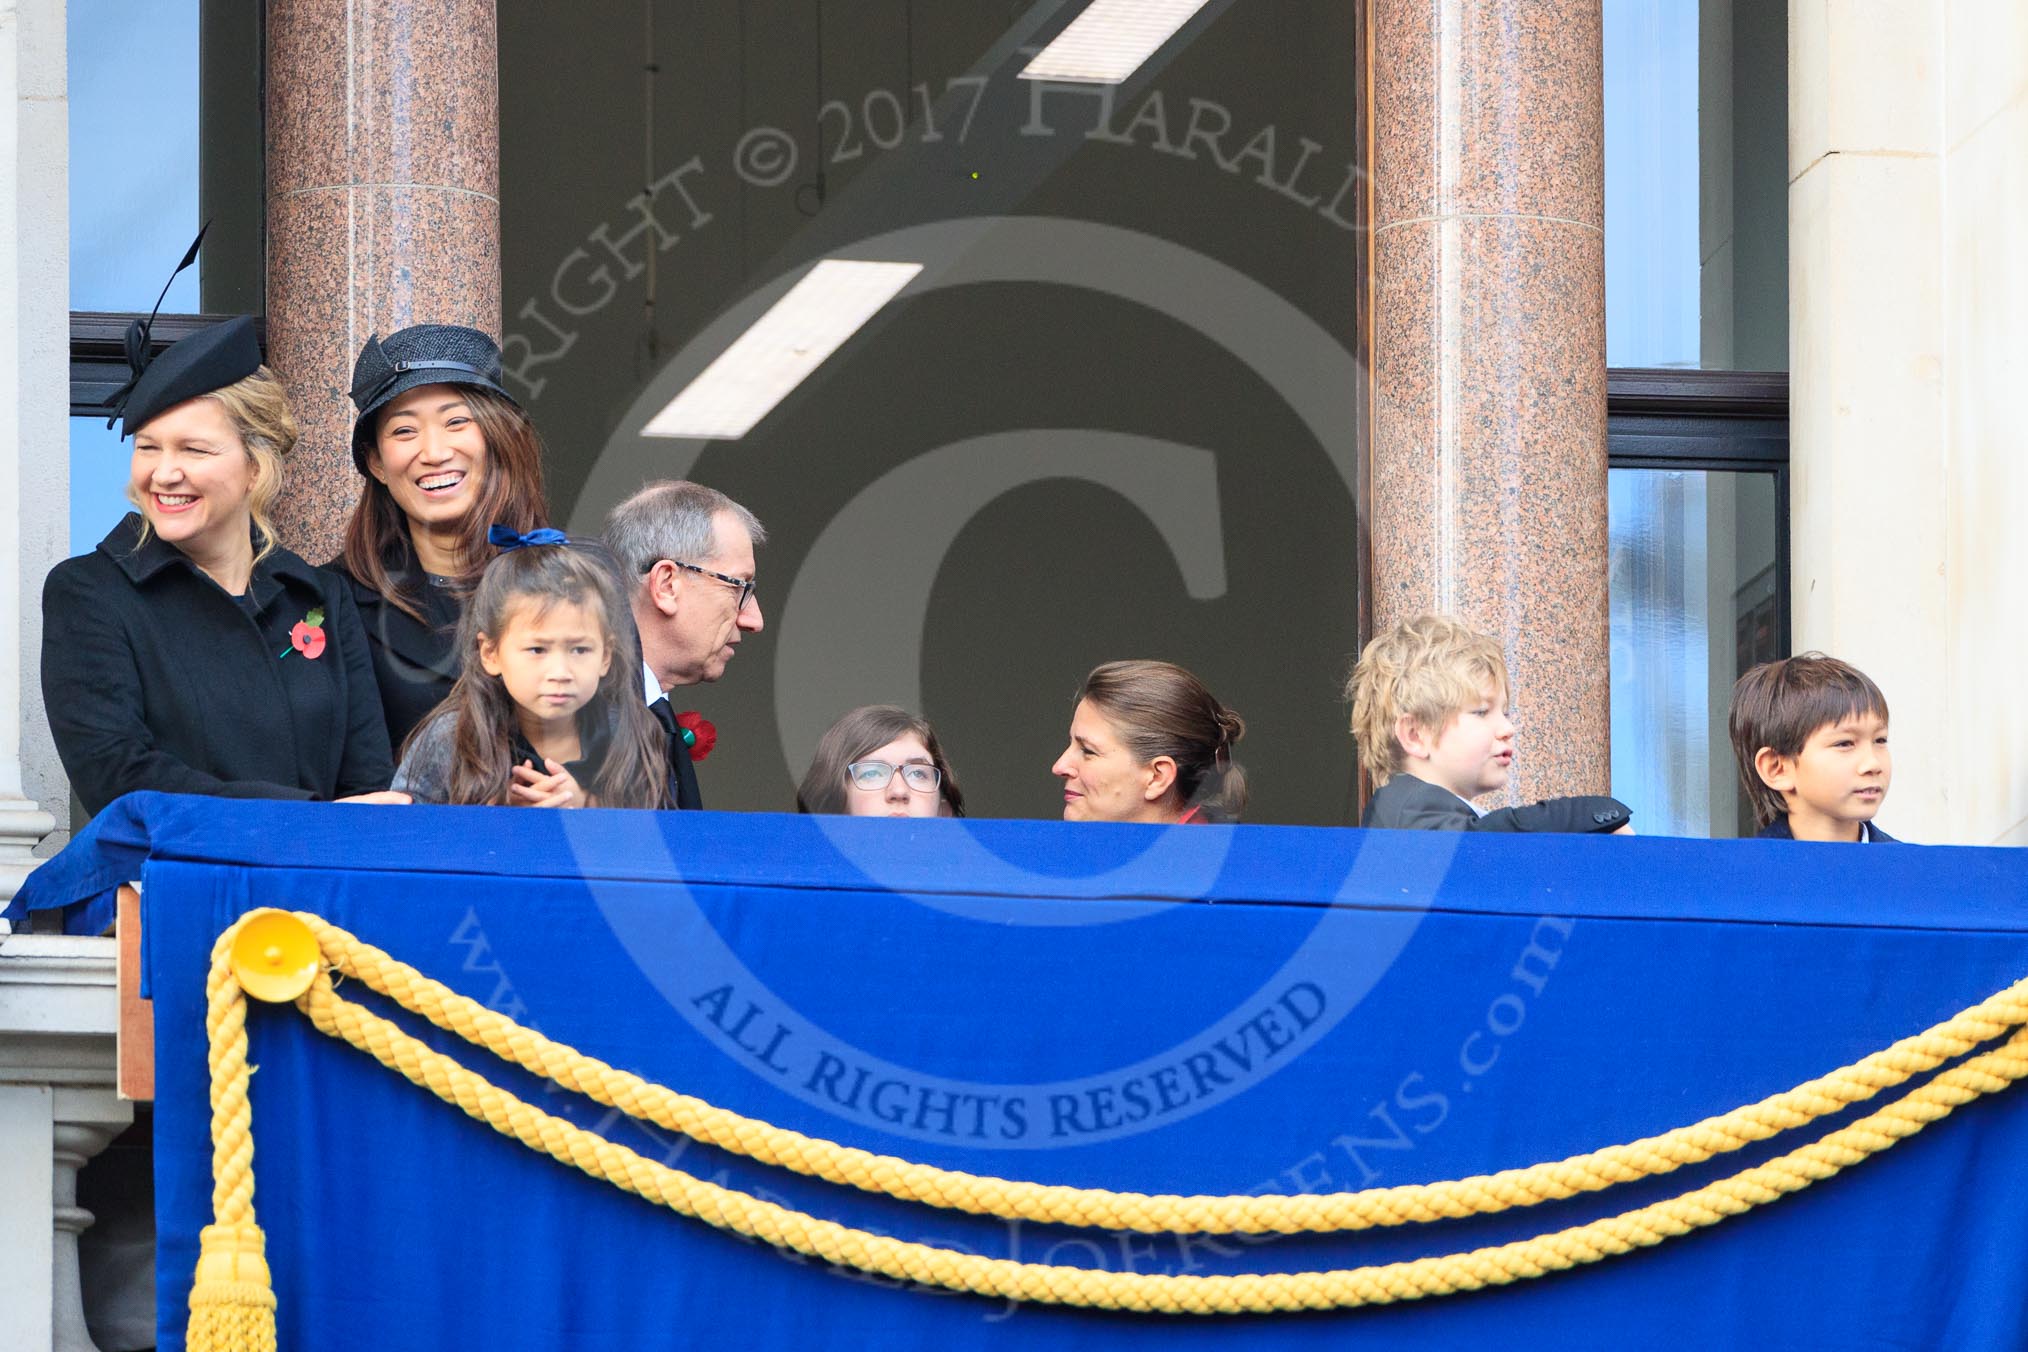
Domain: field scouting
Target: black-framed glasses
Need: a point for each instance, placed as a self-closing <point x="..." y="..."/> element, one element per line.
<point x="745" y="585"/>
<point x="875" y="775"/>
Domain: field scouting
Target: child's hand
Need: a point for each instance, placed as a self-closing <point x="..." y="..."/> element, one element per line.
<point x="534" y="788"/>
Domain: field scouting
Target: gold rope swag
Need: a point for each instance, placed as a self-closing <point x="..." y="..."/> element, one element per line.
<point x="232" y="1303"/>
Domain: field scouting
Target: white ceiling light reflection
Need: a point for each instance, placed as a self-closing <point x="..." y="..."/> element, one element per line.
<point x="1110" y="40"/>
<point x="782" y="348"/>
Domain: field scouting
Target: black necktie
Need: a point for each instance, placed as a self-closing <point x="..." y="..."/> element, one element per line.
<point x="682" y="778"/>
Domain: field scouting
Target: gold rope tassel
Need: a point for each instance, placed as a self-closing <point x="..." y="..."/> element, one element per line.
<point x="234" y="1279"/>
<point x="232" y="1301"/>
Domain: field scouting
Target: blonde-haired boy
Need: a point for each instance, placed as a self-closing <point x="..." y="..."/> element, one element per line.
<point x="1429" y="711"/>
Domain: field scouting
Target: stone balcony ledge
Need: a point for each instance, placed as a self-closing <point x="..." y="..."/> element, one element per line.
<point x="59" y="1012"/>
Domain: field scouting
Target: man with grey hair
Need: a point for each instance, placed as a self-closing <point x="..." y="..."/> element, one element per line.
<point x="690" y="551"/>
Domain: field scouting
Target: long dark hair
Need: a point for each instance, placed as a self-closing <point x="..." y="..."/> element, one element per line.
<point x="377" y="544"/>
<point x="866" y="729"/>
<point x="1160" y="709"/>
<point x="635" y="772"/>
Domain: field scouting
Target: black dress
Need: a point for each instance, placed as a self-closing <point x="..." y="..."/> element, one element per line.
<point x="415" y="662"/>
<point x="156" y="678"/>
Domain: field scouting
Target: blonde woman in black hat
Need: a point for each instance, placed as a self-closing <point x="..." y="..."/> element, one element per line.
<point x="189" y="653"/>
<point x="446" y="455"/>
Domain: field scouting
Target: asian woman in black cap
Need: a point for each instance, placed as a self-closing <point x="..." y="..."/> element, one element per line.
<point x="446" y="455"/>
<point x="189" y="653"/>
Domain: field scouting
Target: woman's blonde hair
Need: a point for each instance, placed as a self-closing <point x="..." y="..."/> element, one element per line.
<point x="1431" y="668"/>
<point x="259" y="410"/>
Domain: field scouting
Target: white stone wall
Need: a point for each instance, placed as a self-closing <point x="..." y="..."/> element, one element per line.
<point x="58" y="1108"/>
<point x="57" y="1003"/>
<point x="1985" y="332"/>
<point x="1908" y="205"/>
<point x="34" y="406"/>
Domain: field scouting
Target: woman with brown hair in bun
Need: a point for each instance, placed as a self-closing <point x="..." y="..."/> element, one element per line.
<point x="1148" y="743"/>
<point x="446" y="454"/>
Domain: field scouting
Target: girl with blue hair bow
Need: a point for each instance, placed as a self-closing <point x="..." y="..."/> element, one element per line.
<point x="546" y="711"/>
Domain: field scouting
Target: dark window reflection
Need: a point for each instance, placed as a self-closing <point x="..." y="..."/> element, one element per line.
<point x="1126" y="413"/>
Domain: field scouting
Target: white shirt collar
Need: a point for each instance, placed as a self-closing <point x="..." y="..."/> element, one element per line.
<point x="651" y="689"/>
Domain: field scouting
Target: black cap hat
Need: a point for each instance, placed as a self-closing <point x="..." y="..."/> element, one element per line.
<point x="423" y="354"/>
<point x="207" y="360"/>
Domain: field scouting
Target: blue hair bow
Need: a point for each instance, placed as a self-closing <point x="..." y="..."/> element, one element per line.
<point x="504" y="538"/>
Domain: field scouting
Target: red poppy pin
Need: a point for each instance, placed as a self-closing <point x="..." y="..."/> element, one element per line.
<point x="698" y="733"/>
<point x="307" y="637"/>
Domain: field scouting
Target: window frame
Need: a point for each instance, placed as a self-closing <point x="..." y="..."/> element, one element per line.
<point x="98" y="350"/>
<point x="1708" y="421"/>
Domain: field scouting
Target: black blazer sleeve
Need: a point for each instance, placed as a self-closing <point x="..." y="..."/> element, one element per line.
<point x="1583" y="815"/>
<point x="91" y="684"/>
<point x="1409" y="804"/>
<point x="368" y="765"/>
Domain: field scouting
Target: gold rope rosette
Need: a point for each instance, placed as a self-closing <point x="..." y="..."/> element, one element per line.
<point x="291" y="957"/>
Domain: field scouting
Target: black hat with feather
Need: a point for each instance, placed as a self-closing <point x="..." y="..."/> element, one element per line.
<point x="210" y="359"/>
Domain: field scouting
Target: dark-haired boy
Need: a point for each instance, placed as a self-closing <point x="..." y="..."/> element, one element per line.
<point x="1810" y="733"/>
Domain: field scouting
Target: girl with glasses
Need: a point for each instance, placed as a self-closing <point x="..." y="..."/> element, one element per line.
<point x="881" y="761"/>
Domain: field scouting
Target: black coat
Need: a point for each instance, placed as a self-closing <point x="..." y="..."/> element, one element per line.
<point x="155" y="678"/>
<point x="415" y="662"/>
<point x="1407" y="803"/>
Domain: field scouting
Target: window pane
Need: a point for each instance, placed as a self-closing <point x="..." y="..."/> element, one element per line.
<point x="1693" y="606"/>
<point x="1111" y="418"/>
<point x="133" y="152"/>
<point x="1697" y="183"/>
<point x="98" y="480"/>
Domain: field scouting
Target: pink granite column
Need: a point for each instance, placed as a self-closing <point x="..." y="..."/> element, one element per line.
<point x="1489" y="419"/>
<point x="383" y="210"/>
